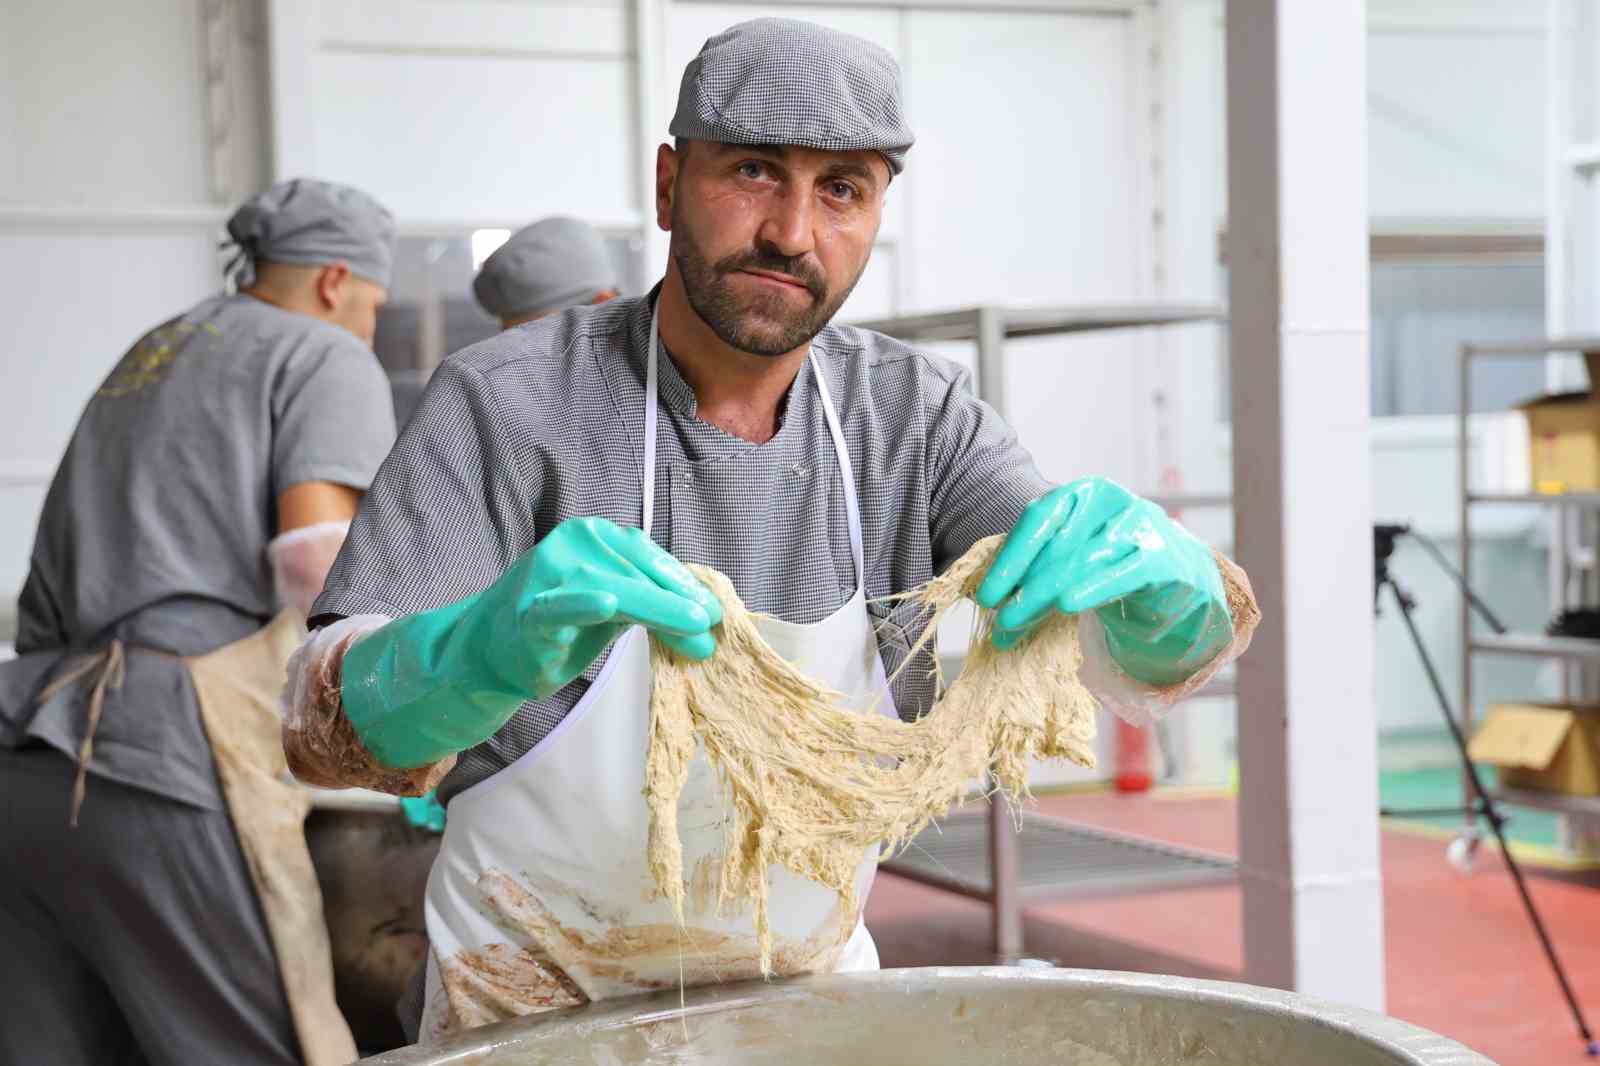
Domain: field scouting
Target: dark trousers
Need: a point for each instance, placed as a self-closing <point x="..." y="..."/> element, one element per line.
<point x="133" y="939"/>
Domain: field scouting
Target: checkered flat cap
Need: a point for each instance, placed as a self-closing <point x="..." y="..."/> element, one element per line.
<point x="784" y="81"/>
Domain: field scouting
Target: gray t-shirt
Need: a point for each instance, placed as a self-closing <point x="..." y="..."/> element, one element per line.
<point x="544" y="422"/>
<point x="155" y="526"/>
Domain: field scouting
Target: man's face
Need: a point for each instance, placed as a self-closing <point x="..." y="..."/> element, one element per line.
<point x="769" y="241"/>
<point x="355" y="306"/>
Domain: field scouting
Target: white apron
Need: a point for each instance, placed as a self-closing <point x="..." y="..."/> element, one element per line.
<point x="541" y="897"/>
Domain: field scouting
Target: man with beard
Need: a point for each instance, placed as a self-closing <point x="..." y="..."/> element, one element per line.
<point x="488" y="612"/>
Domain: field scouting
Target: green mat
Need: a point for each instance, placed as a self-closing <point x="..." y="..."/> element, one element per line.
<point x="1441" y="787"/>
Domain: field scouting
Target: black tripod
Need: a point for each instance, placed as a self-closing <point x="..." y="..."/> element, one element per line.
<point x="1482" y="804"/>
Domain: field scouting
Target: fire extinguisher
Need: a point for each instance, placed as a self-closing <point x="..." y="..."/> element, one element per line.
<point x="1133" y="758"/>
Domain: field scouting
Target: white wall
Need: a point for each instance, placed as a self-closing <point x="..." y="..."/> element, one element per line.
<point x="106" y="103"/>
<point x="1456" y="110"/>
<point x="114" y="153"/>
<point x="472" y="112"/>
<point x="1028" y="190"/>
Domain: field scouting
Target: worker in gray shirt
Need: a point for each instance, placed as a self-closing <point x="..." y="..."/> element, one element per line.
<point x="549" y="266"/>
<point x="159" y="905"/>
<point x="486" y="623"/>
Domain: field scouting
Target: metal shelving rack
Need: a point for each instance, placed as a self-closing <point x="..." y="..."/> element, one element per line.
<point x="990" y="326"/>
<point x="1574" y="651"/>
<point x="986" y="857"/>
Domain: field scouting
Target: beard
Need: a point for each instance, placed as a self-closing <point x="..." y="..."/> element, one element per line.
<point x="764" y="324"/>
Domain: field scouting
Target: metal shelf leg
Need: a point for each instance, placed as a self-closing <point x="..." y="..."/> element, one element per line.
<point x="1005" y="900"/>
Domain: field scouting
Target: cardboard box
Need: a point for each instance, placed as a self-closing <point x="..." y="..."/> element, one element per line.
<point x="1564" y="435"/>
<point x="1542" y="747"/>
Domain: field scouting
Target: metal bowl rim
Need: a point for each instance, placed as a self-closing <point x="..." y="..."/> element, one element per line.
<point x="1381" y="1032"/>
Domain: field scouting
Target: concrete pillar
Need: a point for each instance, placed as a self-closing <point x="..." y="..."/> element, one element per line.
<point x="1297" y="256"/>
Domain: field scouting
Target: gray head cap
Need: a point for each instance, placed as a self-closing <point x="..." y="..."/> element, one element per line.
<point x="783" y="81"/>
<point x="313" y="223"/>
<point x="551" y="265"/>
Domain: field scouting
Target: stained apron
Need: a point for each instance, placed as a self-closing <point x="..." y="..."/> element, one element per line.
<point x="541" y="896"/>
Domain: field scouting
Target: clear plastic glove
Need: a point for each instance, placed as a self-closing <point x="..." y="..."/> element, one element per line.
<point x="441" y="681"/>
<point x="1093" y="545"/>
<point x="301" y="559"/>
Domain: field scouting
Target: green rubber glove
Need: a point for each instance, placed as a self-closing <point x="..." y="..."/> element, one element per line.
<point x="1093" y="545"/>
<point x="424" y="811"/>
<point x="438" y="682"/>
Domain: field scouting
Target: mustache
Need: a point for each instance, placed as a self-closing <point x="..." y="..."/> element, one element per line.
<point x="802" y="268"/>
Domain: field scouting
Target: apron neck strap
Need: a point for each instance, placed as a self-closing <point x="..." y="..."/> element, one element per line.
<point x="852" y="506"/>
<point x="651" y="408"/>
<point x="652" y="404"/>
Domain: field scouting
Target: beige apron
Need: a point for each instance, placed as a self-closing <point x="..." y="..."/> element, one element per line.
<point x="237" y="687"/>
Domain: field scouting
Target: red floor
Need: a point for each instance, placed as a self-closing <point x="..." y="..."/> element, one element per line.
<point x="1462" y="959"/>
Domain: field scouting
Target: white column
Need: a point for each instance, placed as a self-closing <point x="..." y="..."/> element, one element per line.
<point x="652" y="104"/>
<point x="292" y="46"/>
<point x="1297" y="254"/>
